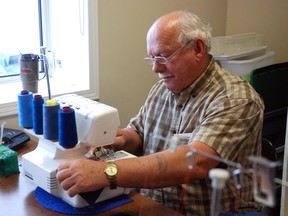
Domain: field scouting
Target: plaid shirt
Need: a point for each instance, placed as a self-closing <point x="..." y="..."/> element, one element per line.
<point x="218" y="109"/>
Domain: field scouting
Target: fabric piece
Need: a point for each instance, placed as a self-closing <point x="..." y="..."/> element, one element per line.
<point x="56" y="204"/>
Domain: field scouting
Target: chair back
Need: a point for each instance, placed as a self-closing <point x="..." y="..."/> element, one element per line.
<point x="271" y="82"/>
<point x="268" y="150"/>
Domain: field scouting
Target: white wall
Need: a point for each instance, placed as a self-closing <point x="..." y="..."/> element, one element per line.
<point x="269" y="18"/>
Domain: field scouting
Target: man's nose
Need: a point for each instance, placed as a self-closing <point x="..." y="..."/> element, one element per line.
<point x="158" y="68"/>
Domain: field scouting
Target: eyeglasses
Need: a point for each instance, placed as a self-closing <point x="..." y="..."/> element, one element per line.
<point x="163" y="59"/>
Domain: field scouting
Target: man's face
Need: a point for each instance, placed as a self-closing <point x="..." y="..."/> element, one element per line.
<point x="177" y="73"/>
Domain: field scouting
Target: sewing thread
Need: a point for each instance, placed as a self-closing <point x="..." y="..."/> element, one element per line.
<point x="37" y="110"/>
<point x="25" y="109"/>
<point x="50" y="120"/>
<point x="67" y="127"/>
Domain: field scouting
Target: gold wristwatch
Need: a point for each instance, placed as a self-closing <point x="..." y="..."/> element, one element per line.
<point x="111" y="173"/>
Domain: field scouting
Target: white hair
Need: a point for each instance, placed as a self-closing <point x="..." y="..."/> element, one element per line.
<point x="193" y="27"/>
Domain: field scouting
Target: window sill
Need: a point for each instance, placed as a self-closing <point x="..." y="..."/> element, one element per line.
<point x="58" y="86"/>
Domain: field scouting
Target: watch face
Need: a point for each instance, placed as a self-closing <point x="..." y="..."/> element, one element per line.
<point x="111" y="170"/>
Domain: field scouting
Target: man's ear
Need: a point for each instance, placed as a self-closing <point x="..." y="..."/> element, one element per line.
<point x="199" y="46"/>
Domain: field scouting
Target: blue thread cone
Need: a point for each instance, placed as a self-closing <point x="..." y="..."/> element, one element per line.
<point x="50" y="120"/>
<point x="67" y="127"/>
<point x="37" y="106"/>
<point x="25" y="109"/>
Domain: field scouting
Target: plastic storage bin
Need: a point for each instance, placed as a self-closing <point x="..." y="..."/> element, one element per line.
<point x="245" y="65"/>
<point x="237" y="46"/>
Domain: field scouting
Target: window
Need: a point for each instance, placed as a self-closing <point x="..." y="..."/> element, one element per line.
<point x="68" y="31"/>
<point x="17" y="31"/>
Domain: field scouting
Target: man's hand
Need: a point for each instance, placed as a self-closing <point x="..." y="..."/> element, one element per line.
<point x="128" y="140"/>
<point x="82" y="176"/>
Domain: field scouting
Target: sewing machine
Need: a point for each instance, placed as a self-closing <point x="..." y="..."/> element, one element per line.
<point x="97" y="126"/>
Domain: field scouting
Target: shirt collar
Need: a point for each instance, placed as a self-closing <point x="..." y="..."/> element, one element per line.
<point x="202" y="81"/>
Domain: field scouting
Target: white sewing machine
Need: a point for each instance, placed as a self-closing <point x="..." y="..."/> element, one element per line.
<point x="97" y="126"/>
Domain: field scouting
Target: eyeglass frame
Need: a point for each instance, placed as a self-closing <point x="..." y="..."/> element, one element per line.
<point x="152" y="60"/>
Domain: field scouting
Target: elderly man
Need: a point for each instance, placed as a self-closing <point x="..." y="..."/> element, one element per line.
<point x="219" y="112"/>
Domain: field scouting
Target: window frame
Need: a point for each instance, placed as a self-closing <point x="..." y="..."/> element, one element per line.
<point x="10" y="108"/>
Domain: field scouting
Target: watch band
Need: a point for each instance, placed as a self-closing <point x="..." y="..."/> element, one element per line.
<point x="111" y="173"/>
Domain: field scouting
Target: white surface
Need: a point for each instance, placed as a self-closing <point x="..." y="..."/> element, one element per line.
<point x="97" y="123"/>
<point x="244" y="66"/>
